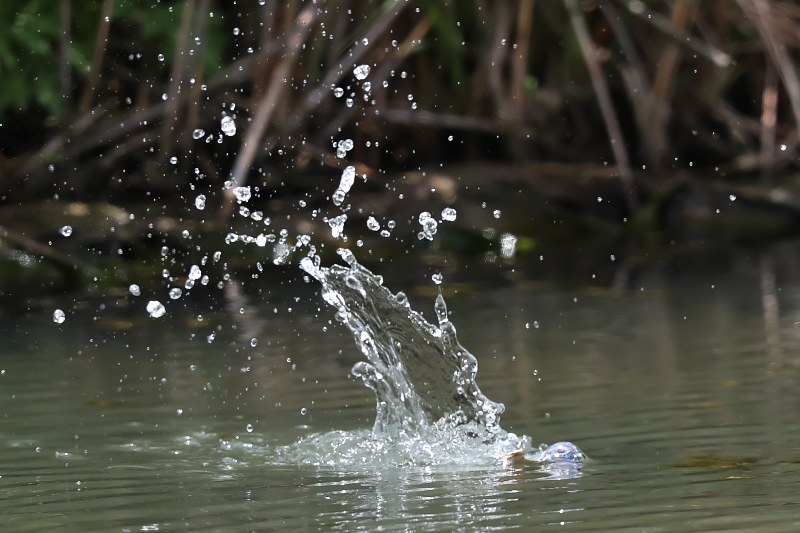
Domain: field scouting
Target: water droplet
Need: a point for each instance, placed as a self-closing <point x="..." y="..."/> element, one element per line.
<point x="249" y="428"/>
<point x="496" y="213"/>
<point x="449" y="214"/>
<point x="173" y="160"/>
<point x="373" y="224"/>
<point x="346" y="145"/>
<point x="429" y="226"/>
<point x="508" y="245"/>
<point x="161" y="57"/>
<point x="236" y="31"/>
<point x="175" y="293"/>
<point x="194" y="272"/>
<point x="59" y="317"/>
<point x="156" y="309"/>
<point x="134" y="289"/>
<point x="348" y="103"/>
<point x="437" y="278"/>
<point x="337" y="225"/>
<point x="732" y="197"/>
<point x="198" y="133"/>
<point x="361" y="72"/>
<point x="228" y="126"/>
<point x="338" y="92"/>
<point x="783" y="148"/>
<point x="254" y="342"/>
<point x="200" y="201"/>
<point x="242" y="193"/>
<point x="303" y="411"/>
<point x="66" y="231"/>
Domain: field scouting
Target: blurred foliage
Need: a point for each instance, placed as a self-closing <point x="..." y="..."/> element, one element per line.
<point x="29" y="44"/>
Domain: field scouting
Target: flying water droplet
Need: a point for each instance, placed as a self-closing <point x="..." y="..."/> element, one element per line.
<point x="228" y="126"/>
<point x="200" y="201"/>
<point x="195" y="272"/>
<point x="198" y="133"/>
<point x="429" y="226"/>
<point x="66" y="231"/>
<point x="338" y="92"/>
<point x="59" y="317"/>
<point x="449" y="214"/>
<point x="175" y="293"/>
<point x="337" y="225"/>
<point x="254" y="342"/>
<point x="373" y="224"/>
<point x="156" y="309"/>
<point x="135" y="290"/>
<point x="437" y="278"/>
<point x="346" y="182"/>
<point x="361" y="72"/>
<point x="242" y="193"/>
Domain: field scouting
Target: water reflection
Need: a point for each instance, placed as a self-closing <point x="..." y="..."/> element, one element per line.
<point x="121" y="423"/>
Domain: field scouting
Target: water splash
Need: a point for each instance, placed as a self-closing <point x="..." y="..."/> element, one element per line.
<point x="429" y="408"/>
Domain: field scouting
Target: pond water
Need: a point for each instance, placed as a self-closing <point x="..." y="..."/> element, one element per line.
<point x="683" y="389"/>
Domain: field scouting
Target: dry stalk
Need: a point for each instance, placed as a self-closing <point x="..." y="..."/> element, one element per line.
<point x="179" y="66"/>
<point x="97" y="58"/>
<point x="519" y="62"/>
<point x="769" y="115"/>
<point x="266" y="106"/>
<point x="604" y="100"/>
<point x="64" y="63"/>
<point x="761" y="12"/>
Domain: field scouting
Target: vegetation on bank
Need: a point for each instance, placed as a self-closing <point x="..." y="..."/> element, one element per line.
<point x="646" y="113"/>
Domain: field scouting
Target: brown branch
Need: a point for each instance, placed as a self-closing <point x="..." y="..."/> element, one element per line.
<point x="64" y="64"/>
<point x="778" y="54"/>
<point x="640" y="93"/>
<point x="638" y="8"/>
<point x="179" y="65"/>
<point x="604" y="100"/>
<point x="97" y="58"/>
<point x="769" y="116"/>
<point x="70" y="269"/>
<point x="266" y="106"/>
<point x="349" y="60"/>
<point x="519" y="62"/>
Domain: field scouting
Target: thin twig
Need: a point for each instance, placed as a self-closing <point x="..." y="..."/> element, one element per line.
<point x="450" y="121"/>
<point x="769" y="115"/>
<point x="786" y="68"/>
<point x="97" y="58"/>
<point x="65" y="66"/>
<point x="638" y="8"/>
<point x="349" y="60"/>
<point x="519" y="62"/>
<point x="388" y="65"/>
<point x="179" y="65"/>
<point x="266" y="106"/>
<point x="69" y="268"/>
<point x="604" y="100"/>
<point x="639" y="90"/>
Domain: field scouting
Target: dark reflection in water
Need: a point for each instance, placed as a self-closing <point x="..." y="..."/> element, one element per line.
<point x="683" y="388"/>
